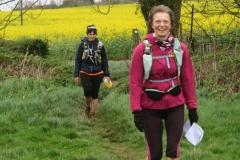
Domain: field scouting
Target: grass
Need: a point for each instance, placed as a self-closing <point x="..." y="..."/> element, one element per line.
<point x="41" y="120"/>
<point x="219" y="122"/>
<point x="44" y="123"/>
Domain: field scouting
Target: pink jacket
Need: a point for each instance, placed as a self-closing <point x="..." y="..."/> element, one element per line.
<point x="139" y="99"/>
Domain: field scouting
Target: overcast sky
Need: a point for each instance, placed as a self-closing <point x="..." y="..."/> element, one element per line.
<point x="6" y="6"/>
<point x="10" y="5"/>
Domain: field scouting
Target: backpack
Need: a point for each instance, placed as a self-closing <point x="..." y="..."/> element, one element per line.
<point x="87" y="53"/>
<point x="148" y="57"/>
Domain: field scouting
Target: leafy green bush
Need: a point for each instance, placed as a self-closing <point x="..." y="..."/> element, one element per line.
<point x="34" y="46"/>
<point x="9" y="45"/>
<point x="218" y="72"/>
<point x="17" y="65"/>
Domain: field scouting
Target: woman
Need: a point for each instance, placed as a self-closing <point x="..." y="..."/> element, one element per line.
<point x="162" y="95"/>
<point x="92" y="65"/>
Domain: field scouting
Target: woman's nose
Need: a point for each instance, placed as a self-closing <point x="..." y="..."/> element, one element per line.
<point x="161" y="23"/>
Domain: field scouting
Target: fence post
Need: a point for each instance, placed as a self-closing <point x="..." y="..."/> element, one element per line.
<point x="180" y="31"/>
<point x="191" y="30"/>
<point x="136" y="38"/>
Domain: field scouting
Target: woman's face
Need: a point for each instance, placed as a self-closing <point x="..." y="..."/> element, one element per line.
<point x="91" y="36"/>
<point x="161" y="25"/>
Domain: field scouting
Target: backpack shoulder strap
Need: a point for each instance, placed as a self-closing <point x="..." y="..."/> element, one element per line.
<point x="85" y="50"/>
<point x="100" y="44"/>
<point x="147" y="59"/>
<point x="148" y="47"/>
<point x="99" y="47"/>
<point x="178" y="55"/>
<point x="85" y="45"/>
<point x="98" y="58"/>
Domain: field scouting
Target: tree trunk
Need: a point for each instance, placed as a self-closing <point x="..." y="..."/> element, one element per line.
<point x="175" y="5"/>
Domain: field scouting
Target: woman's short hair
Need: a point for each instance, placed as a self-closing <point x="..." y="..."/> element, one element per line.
<point x="91" y="28"/>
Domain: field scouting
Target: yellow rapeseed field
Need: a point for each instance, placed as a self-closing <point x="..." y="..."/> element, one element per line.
<point x="210" y="15"/>
<point x="70" y="23"/>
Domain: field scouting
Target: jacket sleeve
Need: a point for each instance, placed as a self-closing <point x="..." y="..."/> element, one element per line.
<point x="78" y="61"/>
<point x="136" y="78"/>
<point x="105" y="62"/>
<point x="187" y="79"/>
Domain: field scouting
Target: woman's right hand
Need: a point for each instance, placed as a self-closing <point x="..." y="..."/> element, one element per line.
<point x="76" y="80"/>
<point x="138" y="120"/>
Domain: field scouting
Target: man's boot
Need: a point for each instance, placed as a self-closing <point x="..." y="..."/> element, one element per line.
<point x="93" y="107"/>
<point x="87" y="108"/>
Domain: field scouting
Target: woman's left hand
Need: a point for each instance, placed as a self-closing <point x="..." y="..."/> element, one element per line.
<point x="105" y="77"/>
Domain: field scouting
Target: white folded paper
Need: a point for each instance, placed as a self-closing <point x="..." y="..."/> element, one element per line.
<point x="194" y="133"/>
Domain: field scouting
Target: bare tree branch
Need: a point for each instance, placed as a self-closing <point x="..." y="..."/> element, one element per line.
<point x="2" y="3"/>
<point x="96" y="6"/>
<point x="229" y="9"/>
<point x="8" y="19"/>
<point x="208" y="9"/>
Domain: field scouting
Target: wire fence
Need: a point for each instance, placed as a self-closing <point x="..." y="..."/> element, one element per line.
<point x="212" y="34"/>
<point x="205" y="24"/>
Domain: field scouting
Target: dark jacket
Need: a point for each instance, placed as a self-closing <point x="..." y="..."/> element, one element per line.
<point x="86" y="65"/>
